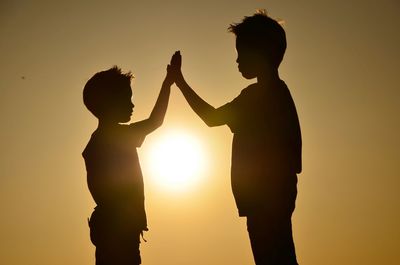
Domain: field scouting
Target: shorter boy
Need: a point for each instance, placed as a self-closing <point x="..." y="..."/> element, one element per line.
<point x="114" y="175"/>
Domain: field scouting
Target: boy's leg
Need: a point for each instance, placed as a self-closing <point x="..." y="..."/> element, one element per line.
<point x="271" y="240"/>
<point x="122" y="250"/>
<point x="115" y="244"/>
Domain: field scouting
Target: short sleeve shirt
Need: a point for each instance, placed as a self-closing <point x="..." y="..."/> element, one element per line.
<point x="266" y="148"/>
<point x="113" y="170"/>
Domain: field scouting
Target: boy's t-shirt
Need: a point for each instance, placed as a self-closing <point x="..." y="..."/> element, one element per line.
<point x="114" y="175"/>
<point x="266" y="148"/>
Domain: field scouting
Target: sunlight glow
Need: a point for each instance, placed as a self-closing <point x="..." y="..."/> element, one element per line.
<point x="176" y="161"/>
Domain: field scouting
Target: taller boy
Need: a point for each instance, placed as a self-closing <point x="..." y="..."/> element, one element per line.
<point x="266" y="149"/>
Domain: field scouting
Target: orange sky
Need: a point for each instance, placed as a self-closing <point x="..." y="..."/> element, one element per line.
<point x="341" y="66"/>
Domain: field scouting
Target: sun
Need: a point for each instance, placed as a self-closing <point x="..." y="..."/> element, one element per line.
<point x="176" y="161"/>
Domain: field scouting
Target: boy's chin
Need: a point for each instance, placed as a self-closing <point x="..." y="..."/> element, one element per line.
<point x="248" y="75"/>
<point x="125" y="120"/>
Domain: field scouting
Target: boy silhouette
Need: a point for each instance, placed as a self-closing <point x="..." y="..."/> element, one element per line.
<point x="266" y="148"/>
<point x="114" y="176"/>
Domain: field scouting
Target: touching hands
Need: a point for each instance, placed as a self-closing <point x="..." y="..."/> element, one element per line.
<point x="174" y="73"/>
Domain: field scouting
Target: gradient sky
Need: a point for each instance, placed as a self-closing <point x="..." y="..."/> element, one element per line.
<point x="342" y="66"/>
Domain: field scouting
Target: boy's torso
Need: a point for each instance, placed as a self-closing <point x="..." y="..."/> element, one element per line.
<point x="113" y="170"/>
<point x="262" y="148"/>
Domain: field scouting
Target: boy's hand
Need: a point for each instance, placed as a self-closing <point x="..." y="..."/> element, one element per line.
<point x="174" y="68"/>
<point x="176" y="60"/>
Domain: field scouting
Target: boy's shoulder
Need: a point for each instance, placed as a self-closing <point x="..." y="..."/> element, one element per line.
<point x="246" y="93"/>
<point x="99" y="139"/>
<point x="249" y="89"/>
<point x="119" y="137"/>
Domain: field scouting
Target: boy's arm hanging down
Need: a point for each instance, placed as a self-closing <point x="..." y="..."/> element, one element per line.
<point x="210" y="115"/>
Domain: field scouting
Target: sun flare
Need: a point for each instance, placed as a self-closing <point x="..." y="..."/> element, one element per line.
<point x="176" y="161"/>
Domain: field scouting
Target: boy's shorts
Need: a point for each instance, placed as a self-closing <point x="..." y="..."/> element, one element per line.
<point x="116" y="242"/>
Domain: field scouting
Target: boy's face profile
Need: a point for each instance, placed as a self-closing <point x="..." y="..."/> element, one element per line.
<point x="120" y="107"/>
<point x="250" y="62"/>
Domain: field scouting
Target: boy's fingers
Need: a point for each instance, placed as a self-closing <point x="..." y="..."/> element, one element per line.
<point x="176" y="60"/>
<point x="176" y="54"/>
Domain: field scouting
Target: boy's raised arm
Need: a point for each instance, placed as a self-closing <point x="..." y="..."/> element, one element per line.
<point x="157" y="115"/>
<point x="210" y="115"/>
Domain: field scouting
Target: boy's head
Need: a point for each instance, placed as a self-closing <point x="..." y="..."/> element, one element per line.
<point x="260" y="41"/>
<point x="108" y="95"/>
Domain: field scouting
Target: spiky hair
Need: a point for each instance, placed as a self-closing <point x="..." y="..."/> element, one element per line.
<point x="102" y="87"/>
<point x="262" y="33"/>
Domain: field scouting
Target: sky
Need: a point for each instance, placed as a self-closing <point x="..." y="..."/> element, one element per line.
<point x="341" y="66"/>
